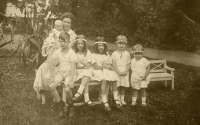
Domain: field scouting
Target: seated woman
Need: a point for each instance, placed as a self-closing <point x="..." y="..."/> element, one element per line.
<point x="50" y="45"/>
<point x="83" y="68"/>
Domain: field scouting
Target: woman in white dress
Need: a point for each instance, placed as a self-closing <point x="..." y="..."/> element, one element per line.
<point x="43" y="77"/>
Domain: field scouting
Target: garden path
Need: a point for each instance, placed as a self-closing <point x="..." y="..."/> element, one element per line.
<point x="190" y="59"/>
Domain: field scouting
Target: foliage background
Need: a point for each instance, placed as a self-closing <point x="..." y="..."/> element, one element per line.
<point x="154" y="23"/>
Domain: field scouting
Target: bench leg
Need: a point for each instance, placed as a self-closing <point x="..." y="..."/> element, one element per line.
<point x="43" y="99"/>
<point x="166" y="83"/>
<point x="100" y="99"/>
<point x="173" y="84"/>
<point x="64" y="95"/>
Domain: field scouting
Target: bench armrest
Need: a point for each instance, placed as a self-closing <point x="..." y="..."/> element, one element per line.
<point x="169" y="68"/>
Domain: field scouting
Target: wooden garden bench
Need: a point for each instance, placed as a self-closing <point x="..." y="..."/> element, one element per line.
<point x="91" y="83"/>
<point x="161" y="72"/>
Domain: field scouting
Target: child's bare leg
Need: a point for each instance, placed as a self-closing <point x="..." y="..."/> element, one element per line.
<point x="134" y="98"/>
<point x="122" y="95"/>
<point x="119" y="91"/>
<point x="55" y="95"/>
<point x="84" y="82"/>
<point x="59" y="105"/>
<point x="104" y="95"/>
<point x="115" y="95"/>
<point x="86" y="93"/>
<point x="69" y="96"/>
<point x="143" y="95"/>
<point x="58" y="79"/>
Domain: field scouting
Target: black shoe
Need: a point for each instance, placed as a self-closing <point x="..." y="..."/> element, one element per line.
<point x="77" y="98"/>
<point x="107" y="108"/>
<point x="60" y="109"/>
<point x="71" y="111"/>
<point x="42" y="91"/>
<point x="117" y="104"/>
<point x="90" y="103"/>
<point x="54" y="107"/>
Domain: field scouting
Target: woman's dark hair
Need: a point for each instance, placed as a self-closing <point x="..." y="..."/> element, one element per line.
<point x="105" y="51"/>
<point x="64" y="36"/>
<point x="68" y="15"/>
<point x="85" y="48"/>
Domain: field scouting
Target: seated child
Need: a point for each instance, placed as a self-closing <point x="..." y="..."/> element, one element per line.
<point x="103" y="71"/>
<point x="140" y="67"/>
<point x="83" y="68"/>
<point x="65" y="58"/>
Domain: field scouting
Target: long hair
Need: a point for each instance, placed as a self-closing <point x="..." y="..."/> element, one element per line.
<point x="85" y="48"/>
<point x="105" y="51"/>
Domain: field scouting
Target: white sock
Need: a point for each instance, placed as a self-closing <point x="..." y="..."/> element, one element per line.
<point x="115" y="94"/>
<point x="134" y="99"/>
<point x="81" y="88"/>
<point x="86" y="97"/>
<point x="122" y="98"/>
<point x="143" y="99"/>
<point x="104" y="100"/>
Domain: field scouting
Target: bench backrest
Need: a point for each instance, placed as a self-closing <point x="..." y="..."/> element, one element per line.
<point x="157" y="66"/>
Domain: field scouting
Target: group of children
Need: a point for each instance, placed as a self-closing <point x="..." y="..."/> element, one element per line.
<point x="70" y="64"/>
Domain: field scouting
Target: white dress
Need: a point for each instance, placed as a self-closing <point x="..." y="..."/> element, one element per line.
<point x="104" y="74"/>
<point x="122" y="60"/>
<point x="138" y="68"/>
<point x="80" y="73"/>
<point x="72" y="38"/>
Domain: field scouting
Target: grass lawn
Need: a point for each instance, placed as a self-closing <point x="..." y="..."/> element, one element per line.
<point x="19" y="105"/>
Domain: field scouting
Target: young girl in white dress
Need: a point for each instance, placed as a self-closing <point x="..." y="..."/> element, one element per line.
<point x="140" y="67"/>
<point x="103" y="71"/>
<point x="121" y="64"/>
<point x="83" y="68"/>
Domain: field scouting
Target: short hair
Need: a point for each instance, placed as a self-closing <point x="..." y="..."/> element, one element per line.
<point x="121" y="38"/>
<point x="68" y="15"/>
<point x="64" y="36"/>
<point x="85" y="48"/>
<point x="105" y="51"/>
<point x="138" y="47"/>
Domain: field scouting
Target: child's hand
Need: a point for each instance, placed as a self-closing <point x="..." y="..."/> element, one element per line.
<point x="143" y="78"/>
<point x="71" y="85"/>
<point x="87" y="66"/>
<point x="82" y="62"/>
<point x="109" y="67"/>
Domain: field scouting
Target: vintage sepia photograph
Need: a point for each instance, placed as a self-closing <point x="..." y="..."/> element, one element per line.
<point x="99" y="62"/>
